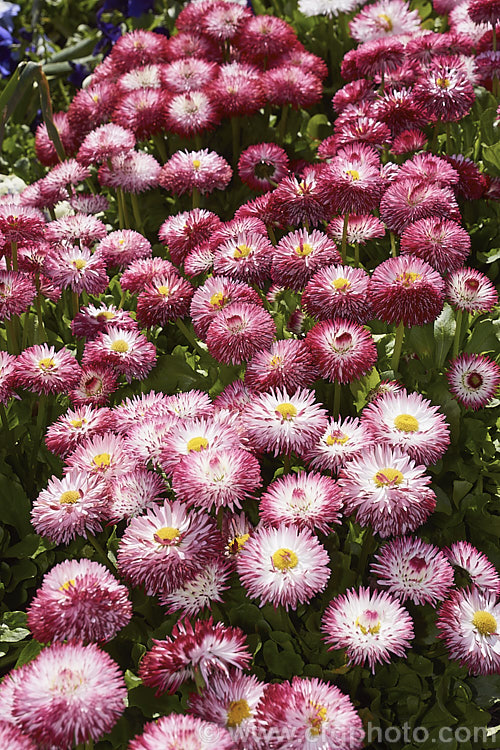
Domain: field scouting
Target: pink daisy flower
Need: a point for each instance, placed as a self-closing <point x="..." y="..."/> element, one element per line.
<point x="429" y="168"/>
<point x="263" y="36"/>
<point x="262" y="166"/>
<point x="94" y="386"/>
<point x="387" y="491"/>
<point x="75" y="426"/>
<point x="360" y="228"/>
<point x="137" y="408"/>
<point x="223" y="21"/>
<point x="204" y="170"/>
<point x="377" y="57"/>
<point x="468" y="622"/>
<point x="338" y="291"/>
<point x="440" y="242"/>
<point x="89" y="203"/>
<point x="104" y="142"/>
<point x="216" y="294"/>
<point x="239" y="331"/>
<point x="406" y="289"/>
<point x="129" y="352"/>
<point x="352" y="181"/>
<point x="79" y="599"/>
<point x="408" y="421"/>
<point x="247" y="257"/>
<point x="195" y="435"/>
<point x="299" y="200"/>
<point x="183" y="232"/>
<point x="139" y="47"/>
<point x="473" y="379"/>
<point x="238" y="90"/>
<point x="69" y="694"/>
<point x="408" y="141"/>
<point x="220" y="478"/>
<point x="305" y="500"/>
<point x="12" y="738"/>
<point x="73" y="267"/>
<point x="371" y="626"/>
<point x="44" y="146"/>
<point x="289" y="85"/>
<point x="134" y="172"/>
<point x="284" y="565"/>
<point x="40" y="369"/>
<point x="145" y="77"/>
<point x="122" y="247"/>
<point x="144" y="436"/>
<point x="384" y="18"/>
<point x="343" y="440"/>
<point x="444" y="90"/>
<point x="80" y="228"/>
<point x="298" y="256"/>
<point x="204" y="649"/>
<point x="21" y="223"/>
<point x="7" y="377"/>
<point x="167" y="545"/>
<point x="280" y="422"/>
<point x="188" y="74"/>
<point x="412" y="569"/>
<point x="200" y="591"/>
<point x="191" y="44"/>
<point x="190" y="113"/>
<point x="484" y="11"/>
<point x="142" y="272"/>
<point x="189" y="404"/>
<point x="482" y="574"/>
<point x="17" y="292"/>
<point x="131" y="494"/>
<point x="408" y="200"/>
<point x="287" y="364"/>
<point x="470" y="290"/>
<point x="343" y="350"/>
<point x="70" y="507"/>
<point x="92" y="320"/>
<point x="183" y="731"/>
<point x="299" y="57"/>
<point x="471" y="183"/>
<point x="165" y="300"/>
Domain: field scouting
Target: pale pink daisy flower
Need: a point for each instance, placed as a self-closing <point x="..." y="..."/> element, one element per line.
<point x="196" y="435"/>
<point x="473" y="379"/>
<point x="299" y="200"/>
<point x="89" y="203"/>
<point x="92" y="320"/>
<point x="145" y="437"/>
<point x="131" y="494"/>
<point x="182" y="731"/>
<point x="429" y="168"/>
<point x="95" y="385"/>
<point x="142" y="112"/>
<point x="305" y="500"/>
<point x="299" y="57"/>
<point x="338" y="291"/>
<point x="44" y="146"/>
<point x="442" y="243"/>
<point x="298" y="256"/>
<point x="239" y="331"/>
<point x="7" y="376"/>
<point x="288" y="85"/>
<point x="444" y="90"/>
<point x="230" y="701"/>
<point x="183" y="232"/>
<point x="406" y="289"/>
<point x="230" y="230"/>
<point x="42" y="369"/>
<point x="409" y="199"/>
<point x="342" y="349"/>
<point x="375" y="59"/>
<point x="67" y="172"/>
<point x="408" y="421"/>
<point x="481" y="572"/>
<point x="133" y="172"/>
<point x="189" y="404"/>
<point x="203" y="170"/>
<point x="79" y="599"/>
<point x="408" y="141"/>
<point x="263" y="166"/>
<point x="371" y="626"/>
<point x="166" y="546"/>
<point x="384" y="18"/>
<point x="343" y="440"/>
<point x="137" y="409"/>
<point x="191" y="113"/>
<point x="123" y="247"/>
<point x="204" y="649"/>
<point x="70" y="507"/>
<point x="470" y="290"/>
<point x="104" y="142"/>
<point x="216" y="478"/>
<point x="200" y="260"/>
<point x="145" y="271"/>
<point x="238" y="90"/>
<point x="105" y="456"/>
<point x="164" y="300"/>
<point x="81" y="228"/>
<point x="70" y="694"/>
<point x="198" y="593"/>
<point x="280" y="422"/>
<point x="76" y="268"/>
<point x="214" y="296"/>
<point x="287" y="364"/>
<point x="188" y="74"/>
<point x="284" y="566"/>
<point x="75" y="426"/>
<point x="264" y="36"/>
<point x="233" y="398"/>
<point x="387" y="490"/>
<point x="469" y="624"/>
<point x="360" y="129"/>
<point x="8" y="686"/>
<point x="222" y="21"/>
<point x="409" y="568"/>
<point x="12" y="738"/>
<point x="17" y="292"/>
<point x="145" y="77"/>
<point x="245" y="258"/>
<point x="137" y="48"/>
<point x="351" y="181"/>
<point x="129" y="353"/>
<point x="326" y="7"/>
<point x="192" y="44"/>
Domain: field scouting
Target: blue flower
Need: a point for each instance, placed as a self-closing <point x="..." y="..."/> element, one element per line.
<point x="7" y="13"/>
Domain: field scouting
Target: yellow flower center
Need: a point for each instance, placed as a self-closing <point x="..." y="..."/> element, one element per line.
<point x="237" y="544"/>
<point x="66" y="585"/>
<point x="218" y="300"/>
<point x="102" y="460"/>
<point x="238" y="710"/>
<point x="287" y="411"/>
<point x="163" y="290"/>
<point x="242" y="251"/>
<point x="353" y="174"/>
<point x="275" y="362"/>
<point x="484" y="622"/>
<point x="317" y="719"/>
<point x="304" y="249"/>
<point x="284" y="559"/>
<point x="120" y="346"/>
<point x="196" y="163"/>
<point x="77" y="423"/>
<point x="79" y="263"/>
<point x="368" y="622"/>
<point x="336" y="438"/>
<point x="46" y="364"/>
<point x="406" y="423"/>
<point x="341" y="284"/>
<point x="70" y="497"/>
<point x="167" y="534"/>
<point x="443" y="83"/>
<point x="386" y="21"/>
<point x="197" y="444"/>
<point x="408" y="277"/>
<point x="388" y="476"/>
<point x="105" y="315"/>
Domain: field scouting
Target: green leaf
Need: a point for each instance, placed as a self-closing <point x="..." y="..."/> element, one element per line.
<point x="284" y="664"/>
<point x="444" y="332"/>
<point x="13" y="627"/>
<point x="318" y="128"/>
<point x="29" y="652"/>
<point x="491" y="157"/>
<point x="14" y="506"/>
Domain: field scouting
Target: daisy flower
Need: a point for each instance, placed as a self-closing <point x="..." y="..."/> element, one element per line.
<point x="284" y="566"/>
<point x="80" y="228"/>
<point x="343" y="350"/>
<point x="89" y="203"/>
<point x="471" y="183"/>
<point x="133" y="493"/>
<point x="79" y="599"/>
<point x="123" y="247"/>
<point x="442" y="243"/>
<point x="204" y="170"/>
<point x="94" y="386"/>
<point x="371" y="626"/>
<point x="164" y="300"/>
<point x="104" y="455"/>
<point x="214" y="296"/>
<point x="188" y="74"/>
<point x="77" y="425"/>
<point x="351" y="182"/>
<point x="307" y="713"/>
<point x="387" y="491"/>
<point x="92" y="320"/>
<point x="182" y="731"/>
<point x="280" y="422"/>
<point x="409" y="199"/>
<point x="104" y="142"/>
<point x="412" y="569"/>
<point x="138" y="409"/>
<point x="21" y="223"/>
<point x="145" y="77"/>
<point x="376" y="58"/>
<point x="192" y="44"/>
<point x="133" y="172"/>
<point x="223" y="21"/>
<point x="137" y="48"/>
<point x="408" y="141"/>
<point x="444" y="90"/>
<point x="11" y="737"/>
<point x="384" y="18"/>
<point x="262" y="166"/>
<point x="262" y="36"/>
<point x="17" y="292"/>
<point x="167" y="545"/>
<point x="298" y="255"/>
<point x="287" y="364"/>
<point x="240" y="331"/>
<point x="481" y="572"/>
<point x="289" y="85"/>
<point x="73" y="267"/>
<point x="298" y="201"/>
<point x="44" y="146"/>
<point x="142" y="272"/>
<point x="189" y="404"/>
<point x="128" y="352"/>
<point x="473" y="379"/>
<point x="408" y="421"/>
<point x="429" y="168"/>
<point x="342" y="440"/>
<point x="468" y="622"/>
<point x="69" y="694"/>
<point x="470" y="290"/>
<point x="305" y="500"/>
<point x="338" y="291"/>
<point x="7" y="376"/>
<point x="247" y="257"/>
<point x="198" y="593"/>
<point x="195" y="435"/>
<point x="42" y="370"/>
<point x="184" y="231"/>
<point x="205" y="649"/>
<point x="191" y="113"/>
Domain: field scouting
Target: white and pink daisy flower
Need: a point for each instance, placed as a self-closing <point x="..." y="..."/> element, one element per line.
<point x="384" y="18"/>
<point x="128" y="352"/>
<point x="134" y="172"/>
<point x="92" y="320"/>
<point x="342" y="440"/>
<point x="104" y="142"/>
<point x="77" y="425"/>
<point x="481" y="572"/>
<point x="214" y="296"/>
<point x="298" y="256"/>
<point x="239" y="331"/>
<point x="190" y="113"/>
<point x="263" y="165"/>
<point x="198" y="593"/>
<point x="11" y="737"/>
<point x="41" y="369"/>
<point x="76" y="268"/>
<point x="409" y="199"/>
<point x="122" y="247"/>
<point x="147" y="271"/>
<point x="183" y="731"/>
<point x="287" y="364"/>
<point x="196" y="435"/>
<point x="473" y="379"/>
<point x="106" y="456"/>
<point x="343" y="350"/>
<point x="165" y="299"/>
<point x="471" y="291"/>
<point x="94" y="387"/>
<point x="133" y="493"/>
<point x="442" y="243"/>
<point x="338" y="291"/>
<point x="203" y="170"/>
<point x="247" y="257"/>
<point x="188" y="74"/>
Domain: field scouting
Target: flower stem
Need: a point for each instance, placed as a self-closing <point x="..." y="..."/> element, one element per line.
<point x="343" y="248"/>
<point x="282" y="126"/>
<point x="235" y="132"/>
<point x="101" y="552"/>
<point x="137" y="214"/>
<point x="356" y="254"/>
<point x="75" y="303"/>
<point x="187" y="333"/>
<point x="287" y="463"/>
<point x="41" y="420"/>
<point x="272" y="236"/>
<point x="12" y="328"/>
<point x="13" y="249"/>
<point x="196" y="198"/>
<point x="393" y="244"/>
<point x="337" y="388"/>
<point x="160" y="147"/>
<point x="398" y="344"/>
<point x="458" y="332"/>
<point x="448" y="139"/>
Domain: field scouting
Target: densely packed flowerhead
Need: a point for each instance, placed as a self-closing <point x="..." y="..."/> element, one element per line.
<point x="239" y="331"/>
<point x="287" y="364"/>
<point x="384" y="18"/>
<point x="409" y="199"/>
<point x="473" y="379"/>
<point x="199" y="592"/>
<point x="298" y="255"/>
<point x="342" y="440"/>
<point x="344" y="350"/>
<point x="442" y="243"/>
<point x="471" y="291"/>
<point x="481" y="572"/>
<point x="12" y="738"/>
<point x="444" y="90"/>
<point x="183" y="731"/>
<point x="338" y="292"/>
<point x="203" y="170"/>
<point x="262" y="166"/>
<point x="41" y="369"/>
